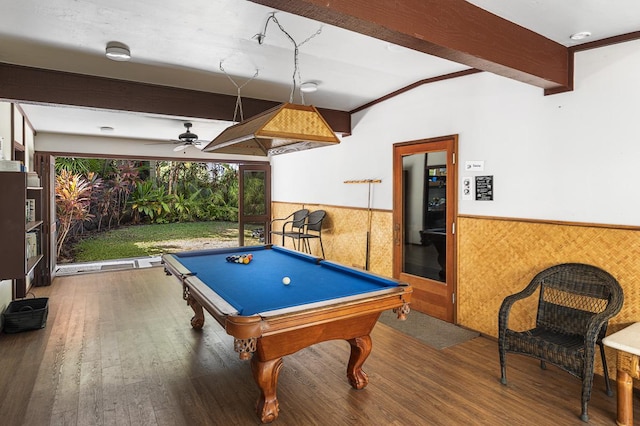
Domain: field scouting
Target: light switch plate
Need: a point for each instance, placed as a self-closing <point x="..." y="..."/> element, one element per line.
<point x="467" y="188"/>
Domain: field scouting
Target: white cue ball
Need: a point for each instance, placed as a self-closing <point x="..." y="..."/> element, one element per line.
<point x="286" y="280"/>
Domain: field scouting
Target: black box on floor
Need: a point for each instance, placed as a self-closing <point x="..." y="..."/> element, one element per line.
<point x="26" y="314"/>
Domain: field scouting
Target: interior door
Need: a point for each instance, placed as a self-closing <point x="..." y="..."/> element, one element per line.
<point x="424" y="212"/>
<point x="254" y="199"/>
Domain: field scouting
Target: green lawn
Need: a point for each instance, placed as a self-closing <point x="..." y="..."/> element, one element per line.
<point x="151" y="240"/>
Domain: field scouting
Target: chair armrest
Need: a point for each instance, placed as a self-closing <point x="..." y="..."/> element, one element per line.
<point x="507" y="304"/>
<point x="598" y="320"/>
<point x="284" y="226"/>
<point x="284" y="218"/>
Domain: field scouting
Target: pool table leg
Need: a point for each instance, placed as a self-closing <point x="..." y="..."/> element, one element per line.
<point x="197" y="321"/>
<point x="360" y="350"/>
<point x="265" y="373"/>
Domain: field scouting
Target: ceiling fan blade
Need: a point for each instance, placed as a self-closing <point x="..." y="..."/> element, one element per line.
<point x="161" y="143"/>
<point x="180" y="148"/>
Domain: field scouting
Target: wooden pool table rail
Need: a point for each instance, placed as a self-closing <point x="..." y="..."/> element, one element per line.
<point x="246" y="329"/>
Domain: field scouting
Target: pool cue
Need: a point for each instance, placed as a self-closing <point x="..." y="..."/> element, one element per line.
<point x="369" y="218"/>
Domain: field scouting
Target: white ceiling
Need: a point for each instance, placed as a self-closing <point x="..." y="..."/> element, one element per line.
<point x="183" y="44"/>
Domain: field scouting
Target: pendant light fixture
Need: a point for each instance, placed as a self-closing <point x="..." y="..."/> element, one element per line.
<point x="286" y="128"/>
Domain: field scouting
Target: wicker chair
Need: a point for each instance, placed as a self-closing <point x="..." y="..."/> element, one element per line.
<point x="575" y="303"/>
<point x="313" y="230"/>
<point x="292" y="225"/>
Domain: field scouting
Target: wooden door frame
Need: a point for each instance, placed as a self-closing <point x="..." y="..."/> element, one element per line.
<point x="444" y="143"/>
<point x="44" y="165"/>
<point x="266" y="218"/>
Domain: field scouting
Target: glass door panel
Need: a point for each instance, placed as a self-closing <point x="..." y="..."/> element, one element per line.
<point x="254" y="200"/>
<point x="425" y="223"/>
<point x="254" y="207"/>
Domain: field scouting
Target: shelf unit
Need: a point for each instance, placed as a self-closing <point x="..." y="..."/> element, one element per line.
<point x="21" y="259"/>
<point x="435" y="193"/>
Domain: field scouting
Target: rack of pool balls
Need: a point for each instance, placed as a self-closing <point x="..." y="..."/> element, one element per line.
<point x="240" y="258"/>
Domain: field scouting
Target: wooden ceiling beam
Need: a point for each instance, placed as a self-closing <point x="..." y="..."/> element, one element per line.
<point x="36" y="85"/>
<point x="450" y="29"/>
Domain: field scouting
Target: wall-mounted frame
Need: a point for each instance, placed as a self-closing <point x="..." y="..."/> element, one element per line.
<point x="484" y="188"/>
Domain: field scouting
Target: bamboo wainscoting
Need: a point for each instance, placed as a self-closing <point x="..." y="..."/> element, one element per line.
<point x="498" y="257"/>
<point x="344" y="235"/>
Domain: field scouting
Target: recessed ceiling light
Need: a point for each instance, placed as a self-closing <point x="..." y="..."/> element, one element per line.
<point x="106" y="129"/>
<point x="309" y="87"/>
<point x="117" y="51"/>
<point x="581" y="35"/>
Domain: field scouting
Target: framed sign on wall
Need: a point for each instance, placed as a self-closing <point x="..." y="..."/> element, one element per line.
<point x="484" y="188"/>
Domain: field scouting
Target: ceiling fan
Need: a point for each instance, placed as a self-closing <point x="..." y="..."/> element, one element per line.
<point x="187" y="138"/>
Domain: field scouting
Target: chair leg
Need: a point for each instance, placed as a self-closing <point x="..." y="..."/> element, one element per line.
<point x="584" y="416"/>
<point x="605" y="369"/>
<point x="503" y="364"/>
<point x="503" y="374"/>
<point x="587" y="384"/>
<point x="321" y="247"/>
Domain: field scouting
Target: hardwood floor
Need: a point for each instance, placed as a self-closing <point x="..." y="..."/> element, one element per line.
<point x="118" y="350"/>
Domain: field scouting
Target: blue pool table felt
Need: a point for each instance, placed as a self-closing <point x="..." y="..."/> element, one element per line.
<point x="257" y="287"/>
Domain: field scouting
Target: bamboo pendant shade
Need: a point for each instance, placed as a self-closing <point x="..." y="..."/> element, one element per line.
<point x="286" y="128"/>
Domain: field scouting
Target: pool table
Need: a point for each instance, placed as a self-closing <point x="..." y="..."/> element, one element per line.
<point x="268" y="319"/>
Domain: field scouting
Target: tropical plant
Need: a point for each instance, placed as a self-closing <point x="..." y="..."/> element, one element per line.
<point x="122" y="191"/>
<point x="254" y="190"/>
<point x="214" y="207"/>
<point x="225" y="182"/>
<point x="103" y="206"/>
<point x="186" y="206"/>
<point x="95" y="184"/>
<point x="82" y="166"/>
<point x="73" y="198"/>
<point x="126" y="175"/>
<point x="150" y="201"/>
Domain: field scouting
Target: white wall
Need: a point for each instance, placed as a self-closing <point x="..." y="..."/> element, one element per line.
<point x="570" y="157"/>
